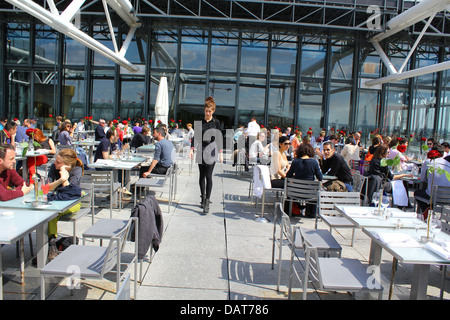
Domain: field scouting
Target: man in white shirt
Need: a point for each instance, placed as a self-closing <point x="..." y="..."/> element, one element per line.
<point x="253" y="128"/>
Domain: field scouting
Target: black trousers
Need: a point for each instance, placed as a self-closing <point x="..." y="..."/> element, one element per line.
<point x="158" y="169"/>
<point x="205" y="179"/>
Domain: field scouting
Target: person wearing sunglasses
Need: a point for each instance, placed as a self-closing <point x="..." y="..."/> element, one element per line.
<point x="334" y="165"/>
<point x="279" y="164"/>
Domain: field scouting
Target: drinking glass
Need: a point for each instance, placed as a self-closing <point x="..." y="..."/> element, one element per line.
<point x="376" y="199"/>
<point x="436" y="226"/>
<point x="417" y="223"/>
<point x="133" y="150"/>
<point x="385" y="202"/>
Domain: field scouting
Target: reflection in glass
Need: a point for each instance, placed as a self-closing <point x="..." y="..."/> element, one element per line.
<point x="75" y="52"/>
<point x="311" y="106"/>
<point x="339" y="106"/>
<point x="75" y="80"/>
<point x="223" y="93"/>
<point x="18" y="43"/>
<point x="396" y="111"/>
<point x="284" y="53"/>
<point x="366" y="121"/>
<point x="223" y="53"/>
<point x="193" y="52"/>
<point x="19" y="96"/>
<point x="423" y="111"/>
<point x="281" y="103"/>
<point x="254" y="53"/>
<point x="45" y="98"/>
<point x="132" y="96"/>
<point x="164" y="48"/>
<point x="342" y="61"/>
<point x="313" y="59"/>
<point x="102" y="35"/>
<point x="46" y="45"/>
<point x="103" y="99"/>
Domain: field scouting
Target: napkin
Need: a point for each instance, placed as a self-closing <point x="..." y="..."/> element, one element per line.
<point x="441" y="248"/>
<point x="403" y="214"/>
<point x="394" y="239"/>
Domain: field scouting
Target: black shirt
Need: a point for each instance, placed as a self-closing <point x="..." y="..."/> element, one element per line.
<point x="336" y="166"/>
<point x="105" y="145"/>
<point x="376" y="169"/>
<point x="139" y="140"/>
<point x="99" y="133"/>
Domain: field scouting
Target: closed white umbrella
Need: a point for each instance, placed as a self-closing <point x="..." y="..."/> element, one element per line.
<point x="162" y="102"/>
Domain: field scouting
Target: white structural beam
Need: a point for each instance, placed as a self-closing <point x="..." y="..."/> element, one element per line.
<point x="61" y="23"/>
<point x="426" y="9"/>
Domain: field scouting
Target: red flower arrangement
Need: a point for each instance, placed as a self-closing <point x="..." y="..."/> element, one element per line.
<point x="423" y="139"/>
<point x="401" y="148"/>
<point x="30" y="132"/>
<point x="434" y="154"/>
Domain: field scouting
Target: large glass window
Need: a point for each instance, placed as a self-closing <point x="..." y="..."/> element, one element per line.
<point x="18" y="43"/>
<point x="313" y="57"/>
<point x="339" y="105"/>
<point x="342" y="60"/>
<point x="396" y="115"/>
<point x="311" y="102"/>
<point x="101" y="34"/>
<point x="164" y="48"/>
<point x="45" y="96"/>
<point x="284" y="54"/>
<point x="75" y="52"/>
<point x="46" y="45"/>
<point x="224" y="49"/>
<point x="251" y="100"/>
<point x="74" y="94"/>
<point x="194" y="52"/>
<point x="254" y="53"/>
<point x="281" y="102"/>
<point x="367" y="113"/>
<point x="19" y="94"/>
<point x="103" y="98"/>
<point x="132" y="96"/>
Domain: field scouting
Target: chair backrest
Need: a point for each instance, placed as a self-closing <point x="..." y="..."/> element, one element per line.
<point x="88" y="200"/>
<point x="301" y="190"/>
<point x="354" y="164"/>
<point x="102" y="180"/>
<point x="312" y="264"/>
<point x="366" y="166"/>
<point x="115" y="247"/>
<point x="441" y="195"/>
<point x="444" y="211"/>
<point x="327" y="200"/>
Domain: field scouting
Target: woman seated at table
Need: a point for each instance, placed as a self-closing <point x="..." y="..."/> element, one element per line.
<point x="257" y="152"/>
<point x="381" y="177"/>
<point x="397" y="147"/>
<point x="44" y="143"/>
<point x="65" y="134"/>
<point x="350" y="151"/>
<point x="64" y="183"/>
<point x="305" y="167"/>
<point x="279" y="164"/>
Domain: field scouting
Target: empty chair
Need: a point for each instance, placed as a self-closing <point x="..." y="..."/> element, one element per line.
<point x="159" y="181"/>
<point x="87" y="206"/>
<point x="360" y="185"/>
<point x="90" y="262"/>
<point x="328" y="213"/>
<point x="303" y="191"/>
<point x="338" y="274"/>
<point x="262" y="185"/>
<point x="104" y="184"/>
<point x="321" y="239"/>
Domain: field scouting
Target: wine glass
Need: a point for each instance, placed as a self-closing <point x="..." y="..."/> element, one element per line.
<point x="133" y="150"/>
<point x="385" y="202"/>
<point x="436" y="226"/>
<point x="376" y="200"/>
<point x="417" y="223"/>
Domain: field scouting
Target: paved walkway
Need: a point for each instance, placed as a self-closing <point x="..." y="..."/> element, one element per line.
<point x="224" y="255"/>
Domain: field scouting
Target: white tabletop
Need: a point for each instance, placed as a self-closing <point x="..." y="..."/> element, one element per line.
<point x="114" y="164"/>
<point x="17" y="223"/>
<point x="365" y="217"/>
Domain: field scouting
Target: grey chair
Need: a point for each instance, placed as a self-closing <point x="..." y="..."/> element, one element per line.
<point x="90" y="262"/>
<point x="444" y="211"/>
<point x="159" y="181"/>
<point x="360" y="185"/>
<point x="104" y="185"/>
<point x="338" y="274"/>
<point x="321" y="239"/>
<point x="328" y="213"/>
<point x="87" y="206"/>
<point x="261" y="177"/>
<point x="302" y="191"/>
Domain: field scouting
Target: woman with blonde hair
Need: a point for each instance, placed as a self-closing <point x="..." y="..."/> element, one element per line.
<point x="208" y="150"/>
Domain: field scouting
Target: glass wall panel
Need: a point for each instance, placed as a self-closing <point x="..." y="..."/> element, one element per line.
<point x="19" y="94"/>
<point x="102" y="35"/>
<point x="313" y="57"/>
<point x="164" y="48"/>
<point x="224" y="50"/>
<point x="426" y="56"/>
<point x="396" y="115"/>
<point x="423" y="112"/>
<point x="311" y="106"/>
<point x="46" y="45"/>
<point x="75" y="52"/>
<point x="284" y="54"/>
<point x="103" y="99"/>
<point x="398" y="52"/>
<point x="45" y="96"/>
<point x="18" y="43"/>
<point x="132" y="99"/>
<point x="254" y="53"/>
<point x="251" y="102"/>
<point x="444" y="114"/>
<point x="339" y="106"/>
<point x="281" y="103"/>
<point x="137" y="49"/>
<point x="75" y="94"/>
<point x="194" y="52"/>
<point x="367" y="113"/>
<point x="342" y="60"/>
<point x="223" y="92"/>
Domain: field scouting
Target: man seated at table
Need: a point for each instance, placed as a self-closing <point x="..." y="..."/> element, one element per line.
<point x="9" y="176"/>
<point x="100" y="130"/>
<point x="141" y="138"/>
<point x="335" y="165"/>
<point x="319" y="150"/>
<point x="107" y="145"/>
<point x="8" y="134"/>
<point x="435" y="153"/>
<point x="163" y="157"/>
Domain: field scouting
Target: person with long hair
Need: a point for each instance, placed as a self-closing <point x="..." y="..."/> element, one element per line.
<point x="64" y="175"/>
<point x="45" y="143"/>
<point x="65" y="135"/>
<point x="279" y="164"/>
<point x="208" y="150"/>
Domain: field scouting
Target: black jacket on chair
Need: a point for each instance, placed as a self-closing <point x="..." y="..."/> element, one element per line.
<point x="150" y="225"/>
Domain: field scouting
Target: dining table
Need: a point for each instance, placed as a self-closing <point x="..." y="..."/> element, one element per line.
<point x="123" y="166"/>
<point x="24" y="158"/>
<point x="19" y="217"/>
<point x="400" y="234"/>
<point x="89" y="144"/>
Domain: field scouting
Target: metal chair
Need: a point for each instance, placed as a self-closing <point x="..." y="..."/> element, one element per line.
<point x="328" y="213"/>
<point x="159" y="181"/>
<point x="104" y="185"/>
<point x="262" y="185"/>
<point x="338" y="274"/>
<point x="320" y="239"/>
<point x="87" y="206"/>
<point x="91" y="262"/>
<point x="444" y="211"/>
<point x="302" y="191"/>
<point x="359" y="182"/>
